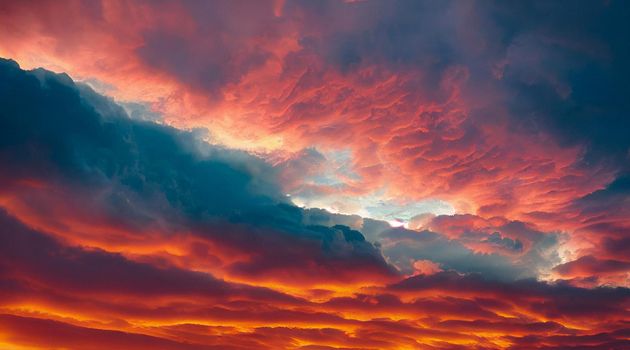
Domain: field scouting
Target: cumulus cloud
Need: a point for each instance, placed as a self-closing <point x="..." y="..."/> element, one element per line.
<point x="134" y="176"/>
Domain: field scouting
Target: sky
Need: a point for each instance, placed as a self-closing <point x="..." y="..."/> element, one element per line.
<point x="314" y="175"/>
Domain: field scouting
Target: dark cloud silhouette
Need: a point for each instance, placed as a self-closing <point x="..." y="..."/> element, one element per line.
<point x="141" y="174"/>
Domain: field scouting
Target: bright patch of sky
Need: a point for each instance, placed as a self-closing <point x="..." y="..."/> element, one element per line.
<point x="337" y="172"/>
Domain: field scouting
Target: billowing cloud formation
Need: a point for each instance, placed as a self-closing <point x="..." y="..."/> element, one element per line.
<point x="131" y="234"/>
<point x="474" y="155"/>
<point x="500" y="109"/>
<point x="75" y="160"/>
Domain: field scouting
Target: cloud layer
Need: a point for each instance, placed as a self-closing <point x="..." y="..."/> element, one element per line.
<point x="314" y="175"/>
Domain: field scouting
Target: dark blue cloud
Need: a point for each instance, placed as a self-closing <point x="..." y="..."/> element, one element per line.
<point x="139" y="173"/>
<point x="404" y="247"/>
<point x="506" y="242"/>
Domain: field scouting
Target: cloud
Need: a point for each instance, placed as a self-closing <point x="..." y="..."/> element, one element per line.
<point x="589" y="270"/>
<point x="552" y="300"/>
<point x="34" y="256"/>
<point x="121" y="224"/>
<point x="144" y="179"/>
<point x="139" y="304"/>
<point x="405" y="247"/>
<point x="135" y="177"/>
<point x="49" y="334"/>
<point x="497" y="121"/>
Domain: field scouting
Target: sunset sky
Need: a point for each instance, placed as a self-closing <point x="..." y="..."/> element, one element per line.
<point x="227" y="174"/>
